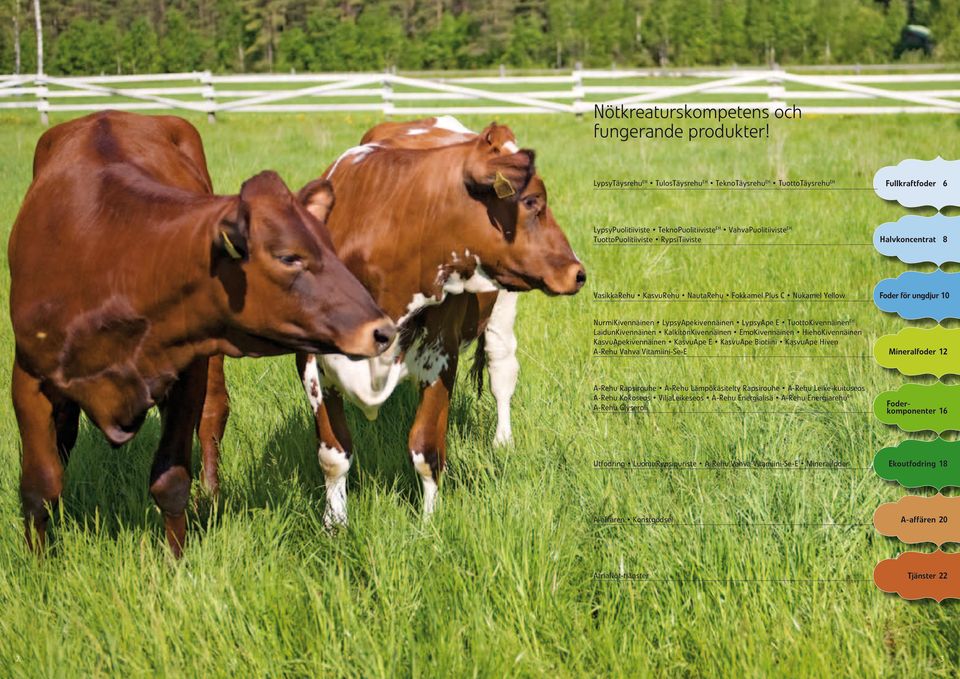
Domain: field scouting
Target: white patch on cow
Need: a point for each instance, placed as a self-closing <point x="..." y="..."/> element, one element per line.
<point x="368" y="383"/>
<point x="418" y="302"/>
<point x="452" y="124"/>
<point x="478" y="281"/>
<point x="311" y="383"/>
<point x="502" y="364"/>
<point x="335" y="465"/>
<point x="358" y="153"/>
<point x="510" y="147"/>
<point x="429" y="484"/>
<point x="429" y="496"/>
<point x="426" y="362"/>
<point x="416" y="131"/>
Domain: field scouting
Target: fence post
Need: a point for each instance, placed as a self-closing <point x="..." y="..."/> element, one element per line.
<point x="43" y="106"/>
<point x="209" y="95"/>
<point x="578" y="89"/>
<point x="777" y="93"/>
<point x="386" y="92"/>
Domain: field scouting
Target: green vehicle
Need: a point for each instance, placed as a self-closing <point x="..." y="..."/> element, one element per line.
<point x="915" y="37"/>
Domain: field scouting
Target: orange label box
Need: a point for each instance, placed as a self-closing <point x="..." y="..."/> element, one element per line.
<point x="915" y="518"/>
<point x="920" y="575"/>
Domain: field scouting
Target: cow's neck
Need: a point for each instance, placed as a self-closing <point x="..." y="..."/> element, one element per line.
<point x="441" y="260"/>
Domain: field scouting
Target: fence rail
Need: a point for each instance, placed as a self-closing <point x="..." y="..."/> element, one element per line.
<point x="576" y="92"/>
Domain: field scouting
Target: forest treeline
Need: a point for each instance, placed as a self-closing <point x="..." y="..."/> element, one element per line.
<point x="127" y="36"/>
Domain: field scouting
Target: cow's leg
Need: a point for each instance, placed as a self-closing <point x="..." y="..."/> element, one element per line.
<point x="500" y="345"/>
<point x="66" y="417"/>
<point x="41" y="470"/>
<point x="213" y="422"/>
<point x="333" y="437"/>
<point x="334" y="453"/>
<point x="170" y="474"/>
<point x="428" y="436"/>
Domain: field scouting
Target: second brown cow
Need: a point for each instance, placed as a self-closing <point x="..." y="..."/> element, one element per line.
<point x="443" y="226"/>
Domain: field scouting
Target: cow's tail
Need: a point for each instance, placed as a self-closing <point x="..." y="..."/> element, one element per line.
<point x="479" y="363"/>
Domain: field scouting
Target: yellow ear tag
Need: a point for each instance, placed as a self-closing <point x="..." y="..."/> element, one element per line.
<point x="503" y="187"/>
<point x="231" y="248"/>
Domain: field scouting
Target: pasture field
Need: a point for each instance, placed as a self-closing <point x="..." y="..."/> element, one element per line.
<point x="501" y="581"/>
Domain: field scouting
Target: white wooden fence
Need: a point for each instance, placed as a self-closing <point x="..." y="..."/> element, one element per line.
<point x="575" y="92"/>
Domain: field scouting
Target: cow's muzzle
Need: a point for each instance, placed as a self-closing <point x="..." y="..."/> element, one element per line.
<point x="568" y="282"/>
<point x="370" y="339"/>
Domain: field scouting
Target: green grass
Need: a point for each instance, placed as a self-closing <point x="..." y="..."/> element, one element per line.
<point x="500" y="583"/>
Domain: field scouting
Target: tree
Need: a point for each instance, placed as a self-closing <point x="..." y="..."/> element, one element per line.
<point x="38" y="22"/>
<point x="263" y="35"/>
<point x="263" y="22"/>
<point x="695" y="32"/>
<point x="383" y="37"/>
<point x="141" y="52"/>
<point x="181" y="47"/>
<point x="295" y="51"/>
<point x="561" y="32"/>
<point x="660" y="31"/>
<point x="865" y="38"/>
<point x="15" y="19"/>
<point x="445" y="46"/>
<point x="78" y="50"/>
<point x="229" y="37"/>
<point x="730" y="47"/>
<point x="493" y="19"/>
<point x="793" y="30"/>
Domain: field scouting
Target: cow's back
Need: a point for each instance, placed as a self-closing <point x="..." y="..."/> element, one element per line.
<point x="73" y="202"/>
<point x="166" y="147"/>
<point x="82" y="252"/>
<point x="426" y="133"/>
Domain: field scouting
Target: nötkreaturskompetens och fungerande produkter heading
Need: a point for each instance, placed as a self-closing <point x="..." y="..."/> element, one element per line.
<point x="663" y="121"/>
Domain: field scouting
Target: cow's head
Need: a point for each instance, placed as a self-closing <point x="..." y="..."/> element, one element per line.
<point x="520" y="244"/>
<point x="282" y="283"/>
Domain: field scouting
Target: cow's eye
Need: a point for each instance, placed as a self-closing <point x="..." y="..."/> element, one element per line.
<point x="531" y="203"/>
<point x="291" y="260"/>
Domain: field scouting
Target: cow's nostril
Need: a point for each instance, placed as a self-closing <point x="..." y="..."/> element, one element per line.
<point x="581" y="277"/>
<point x="384" y="334"/>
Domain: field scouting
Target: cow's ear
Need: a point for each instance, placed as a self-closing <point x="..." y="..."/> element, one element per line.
<point x="317" y="197"/>
<point x="234" y="232"/>
<point x="498" y="137"/>
<point x="506" y="176"/>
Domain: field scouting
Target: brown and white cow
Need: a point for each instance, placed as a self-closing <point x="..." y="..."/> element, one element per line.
<point x="444" y="227"/>
<point x="128" y="273"/>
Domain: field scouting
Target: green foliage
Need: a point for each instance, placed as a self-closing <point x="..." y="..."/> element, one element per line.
<point x="329" y="35"/>
<point x="524" y="40"/>
<point x="296" y="51"/>
<point x="86" y="47"/>
<point x="379" y="38"/>
<point x="441" y="48"/>
<point x="141" y="51"/>
<point x="182" y="48"/>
